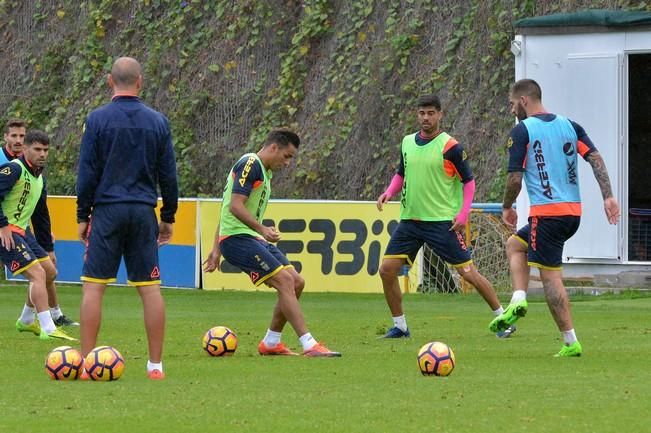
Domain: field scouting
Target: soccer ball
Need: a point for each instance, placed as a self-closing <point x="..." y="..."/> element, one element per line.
<point x="104" y="363"/>
<point x="64" y="363"/>
<point x="436" y="359"/>
<point x="220" y="341"/>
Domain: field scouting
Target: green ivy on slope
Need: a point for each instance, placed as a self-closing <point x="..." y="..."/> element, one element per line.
<point x="344" y="74"/>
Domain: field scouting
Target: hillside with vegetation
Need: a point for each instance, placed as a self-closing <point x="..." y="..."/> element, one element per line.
<point x="344" y="74"/>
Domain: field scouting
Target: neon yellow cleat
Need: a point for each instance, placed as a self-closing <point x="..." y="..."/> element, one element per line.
<point x="573" y="349"/>
<point x="33" y="327"/>
<point x="56" y="334"/>
<point x="512" y="313"/>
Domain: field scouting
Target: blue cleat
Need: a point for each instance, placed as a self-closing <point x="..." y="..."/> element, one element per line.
<point x="396" y="332"/>
<point x="506" y="333"/>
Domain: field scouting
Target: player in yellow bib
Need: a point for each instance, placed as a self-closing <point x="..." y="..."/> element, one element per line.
<point x="248" y="244"/>
<point x="14" y="136"/>
<point x="21" y="189"/>
<point x="437" y="191"/>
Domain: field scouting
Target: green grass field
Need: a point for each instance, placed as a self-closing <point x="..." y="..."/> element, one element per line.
<point x="497" y="386"/>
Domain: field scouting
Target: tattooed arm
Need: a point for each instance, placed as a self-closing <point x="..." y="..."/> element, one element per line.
<point x="601" y="174"/>
<point x="513" y="186"/>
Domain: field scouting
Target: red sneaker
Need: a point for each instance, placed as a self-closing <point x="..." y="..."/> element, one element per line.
<point x="320" y="349"/>
<point x="156" y="375"/>
<point x="278" y="349"/>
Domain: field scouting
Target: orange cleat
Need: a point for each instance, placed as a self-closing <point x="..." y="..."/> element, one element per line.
<point x="156" y="375"/>
<point x="278" y="349"/>
<point x="320" y="349"/>
<point x="84" y="375"/>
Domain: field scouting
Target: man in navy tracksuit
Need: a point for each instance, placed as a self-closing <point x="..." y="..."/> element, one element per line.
<point x="126" y="153"/>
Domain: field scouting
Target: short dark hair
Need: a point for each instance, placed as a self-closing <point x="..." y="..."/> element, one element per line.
<point x="283" y="138"/>
<point x="15" y="123"/>
<point x="36" y="136"/>
<point x="527" y="87"/>
<point x="429" y="101"/>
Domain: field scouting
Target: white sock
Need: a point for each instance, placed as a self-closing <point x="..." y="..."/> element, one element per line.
<point x="272" y="338"/>
<point x="400" y="322"/>
<point x="518" y="295"/>
<point x="56" y="312"/>
<point x="498" y="311"/>
<point x="569" y="336"/>
<point x="151" y="366"/>
<point x="307" y="341"/>
<point x="45" y="318"/>
<point x="28" y="315"/>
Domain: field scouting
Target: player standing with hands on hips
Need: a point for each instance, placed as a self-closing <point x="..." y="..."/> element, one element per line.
<point x="126" y="154"/>
<point x="543" y="150"/>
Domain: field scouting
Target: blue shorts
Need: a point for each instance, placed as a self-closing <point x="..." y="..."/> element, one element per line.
<point x="545" y="238"/>
<point x="117" y="230"/>
<point x="25" y="254"/>
<point x="256" y="257"/>
<point x="410" y="235"/>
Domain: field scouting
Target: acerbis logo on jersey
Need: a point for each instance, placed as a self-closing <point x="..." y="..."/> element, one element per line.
<point x="542" y="169"/>
<point x="6" y="171"/>
<point x="247" y="169"/>
<point x="23" y="197"/>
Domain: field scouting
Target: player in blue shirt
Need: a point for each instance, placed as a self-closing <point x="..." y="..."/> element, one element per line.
<point x="543" y="150"/>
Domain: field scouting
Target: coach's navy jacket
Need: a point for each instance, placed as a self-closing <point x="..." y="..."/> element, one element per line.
<point x="126" y="153"/>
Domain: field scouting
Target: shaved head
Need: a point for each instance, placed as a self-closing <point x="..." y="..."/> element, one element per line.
<point x="125" y="72"/>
